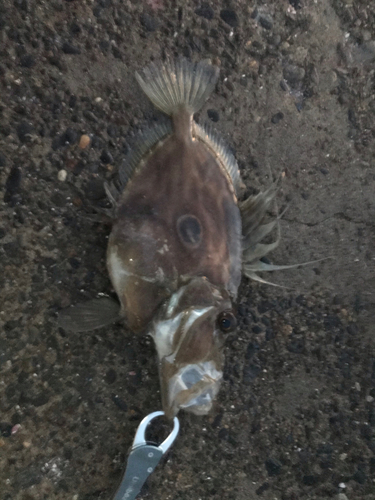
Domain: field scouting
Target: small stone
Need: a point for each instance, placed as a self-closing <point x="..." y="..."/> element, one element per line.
<point x="27" y="477"/>
<point x="106" y="157"/>
<point x="265" y="21"/>
<point x="3" y="160"/>
<point x="229" y="17"/>
<point x="57" y="142"/>
<point x="68" y="48"/>
<point x="352" y="329"/>
<point x="110" y="376"/>
<point x="90" y="116"/>
<point x="41" y="399"/>
<point x="24" y="131"/>
<point x="62" y="175"/>
<point x="277" y="117"/>
<point x="70" y="136"/>
<point x="84" y="141"/>
<point x="112" y="130"/>
<point x="120" y="403"/>
<point x="150" y="23"/>
<point x="250" y="373"/>
<point x="223" y="433"/>
<point x="270" y="334"/>
<point x="342" y="496"/>
<point x="12" y="184"/>
<point x="16" y="428"/>
<point x="94" y="190"/>
<point x="293" y="75"/>
<point x="296" y="4"/>
<point x="342" y="485"/>
<point x="324" y="171"/>
<point x="205" y="11"/>
<point x="309" y="480"/>
<point x="5" y="429"/>
<point x="75" y="28"/>
<point x="213" y="115"/>
<point x="360" y="476"/>
<point x="116" y="52"/>
<point x="262" y="489"/>
<point x="27" y="61"/>
<point x="22" y="4"/>
<point x="72" y="101"/>
<point x="273" y="466"/>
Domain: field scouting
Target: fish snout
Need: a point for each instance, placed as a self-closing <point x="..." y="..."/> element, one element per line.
<point x="193" y="388"/>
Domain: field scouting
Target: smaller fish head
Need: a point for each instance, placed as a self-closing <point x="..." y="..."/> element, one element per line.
<point x="189" y="339"/>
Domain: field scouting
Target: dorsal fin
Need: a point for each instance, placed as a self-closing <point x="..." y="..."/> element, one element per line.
<point x="220" y="151"/>
<point x="142" y="147"/>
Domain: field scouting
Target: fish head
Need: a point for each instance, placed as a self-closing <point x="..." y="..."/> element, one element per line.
<point x="189" y="337"/>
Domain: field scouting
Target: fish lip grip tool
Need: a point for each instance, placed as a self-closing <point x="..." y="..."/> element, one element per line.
<point x="143" y="458"/>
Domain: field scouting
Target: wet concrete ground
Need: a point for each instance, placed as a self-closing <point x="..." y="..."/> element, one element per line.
<point x="295" y="418"/>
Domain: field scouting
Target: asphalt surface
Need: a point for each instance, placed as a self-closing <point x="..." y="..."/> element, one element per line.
<point x="295" y="418"/>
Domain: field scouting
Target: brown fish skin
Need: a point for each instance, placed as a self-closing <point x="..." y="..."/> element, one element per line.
<point x="180" y="179"/>
<point x="176" y="243"/>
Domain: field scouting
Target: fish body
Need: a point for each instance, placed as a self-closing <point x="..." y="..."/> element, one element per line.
<point x="174" y="254"/>
<point x="177" y="220"/>
<point x="180" y="240"/>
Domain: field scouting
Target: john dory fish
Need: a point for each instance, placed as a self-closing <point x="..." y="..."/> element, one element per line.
<point x="180" y="240"/>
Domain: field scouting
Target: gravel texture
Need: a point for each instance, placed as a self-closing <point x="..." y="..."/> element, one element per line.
<point x="295" y="418"/>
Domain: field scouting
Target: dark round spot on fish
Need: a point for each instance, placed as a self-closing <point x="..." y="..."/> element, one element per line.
<point x="189" y="230"/>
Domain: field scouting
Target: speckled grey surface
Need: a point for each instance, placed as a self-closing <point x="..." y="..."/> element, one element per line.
<point x="295" y="418"/>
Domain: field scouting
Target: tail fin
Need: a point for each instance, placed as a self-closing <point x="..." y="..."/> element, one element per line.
<point x="176" y="83"/>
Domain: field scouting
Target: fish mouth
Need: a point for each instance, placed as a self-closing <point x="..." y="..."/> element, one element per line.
<point x="193" y="388"/>
<point x="190" y="370"/>
<point x="189" y="343"/>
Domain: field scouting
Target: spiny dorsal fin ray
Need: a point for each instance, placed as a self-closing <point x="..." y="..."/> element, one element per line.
<point x="255" y="277"/>
<point x="177" y="83"/>
<point x="254" y="209"/>
<point x="264" y="266"/>
<point x="258" y="234"/>
<point x="220" y="150"/>
<point x="250" y="270"/>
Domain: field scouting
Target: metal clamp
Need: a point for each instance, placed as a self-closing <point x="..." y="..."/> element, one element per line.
<point x="143" y="458"/>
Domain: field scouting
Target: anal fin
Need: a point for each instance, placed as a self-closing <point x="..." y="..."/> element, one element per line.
<point x="90" y="315"/>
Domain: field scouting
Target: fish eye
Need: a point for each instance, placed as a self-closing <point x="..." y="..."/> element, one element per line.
<point x="227" y="321"/>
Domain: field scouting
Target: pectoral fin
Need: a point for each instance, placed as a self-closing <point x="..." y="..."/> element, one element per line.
<point x="90" y="315"/>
